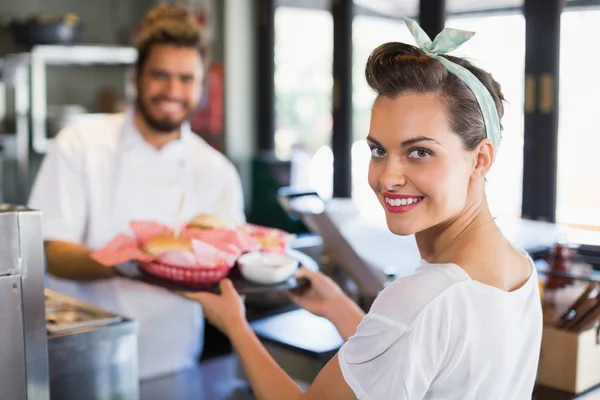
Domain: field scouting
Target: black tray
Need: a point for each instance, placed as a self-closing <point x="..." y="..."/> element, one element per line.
<point x="133" y="271"/>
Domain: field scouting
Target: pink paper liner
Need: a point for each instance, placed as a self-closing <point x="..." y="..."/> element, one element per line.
<point x="271" y="239"/>
<point x="120" y="250"/>
<point x="227" y="240"/>
<point x="124" y="248"/>
<point x="216" y="251"/>
<point x="146" y="230"/>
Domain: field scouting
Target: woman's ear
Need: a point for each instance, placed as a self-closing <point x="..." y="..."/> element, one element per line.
<point x="483" y="160"/>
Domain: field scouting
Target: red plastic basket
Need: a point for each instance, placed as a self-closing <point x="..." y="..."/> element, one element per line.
<point x="190" y="275"/>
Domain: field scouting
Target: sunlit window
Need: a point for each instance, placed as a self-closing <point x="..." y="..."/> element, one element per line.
<point x="303" y="90"/>
<point x="578" y="194"/>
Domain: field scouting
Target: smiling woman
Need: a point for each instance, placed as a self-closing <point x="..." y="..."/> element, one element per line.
<point x="467" y="324"/>
<point x="424" y="127"/>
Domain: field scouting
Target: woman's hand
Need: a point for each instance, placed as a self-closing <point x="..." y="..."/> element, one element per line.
<point x="322" y="297"/>
<point x="226" y="311"/>
<point x="326" y="299"/>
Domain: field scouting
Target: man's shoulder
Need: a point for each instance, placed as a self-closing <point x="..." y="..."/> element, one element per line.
<point x="95" y="132"/>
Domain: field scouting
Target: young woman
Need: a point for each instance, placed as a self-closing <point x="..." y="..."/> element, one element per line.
<point x="467" y="323"/>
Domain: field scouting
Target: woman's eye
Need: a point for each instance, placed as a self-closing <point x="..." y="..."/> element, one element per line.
<point x="377" y="152"/>
<point x="419" y="153"/>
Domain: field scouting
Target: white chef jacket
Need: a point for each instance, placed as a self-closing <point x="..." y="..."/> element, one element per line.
<point x="100" y="175"/>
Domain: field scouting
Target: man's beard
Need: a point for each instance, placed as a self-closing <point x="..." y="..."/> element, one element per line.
<point x="164" y="126"/>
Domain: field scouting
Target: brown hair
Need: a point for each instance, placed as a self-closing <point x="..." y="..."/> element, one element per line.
<point x="397" y="68"/>
<point x="173" y="25"/>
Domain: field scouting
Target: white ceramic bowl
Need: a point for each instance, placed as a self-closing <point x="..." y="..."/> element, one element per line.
<point x="266" y="268"/>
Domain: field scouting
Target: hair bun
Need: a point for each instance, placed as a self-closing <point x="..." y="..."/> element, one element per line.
<point x="171" y="12"/>
<point x="397" y="68"/>
<point x="393" y="65"/>
<point x="393" y="51"/>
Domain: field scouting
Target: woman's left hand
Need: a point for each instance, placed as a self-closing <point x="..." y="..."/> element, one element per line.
<point x="226" y="311"/>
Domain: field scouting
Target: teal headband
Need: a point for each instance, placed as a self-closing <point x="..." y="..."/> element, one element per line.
<point x="448" y="40"/>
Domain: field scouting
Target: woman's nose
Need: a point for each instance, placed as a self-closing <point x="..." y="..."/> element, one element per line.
<point x="393" y="176"/>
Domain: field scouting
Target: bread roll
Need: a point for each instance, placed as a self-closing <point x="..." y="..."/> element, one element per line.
<point x="165" y="243"/>
<point x="209" y="221"/>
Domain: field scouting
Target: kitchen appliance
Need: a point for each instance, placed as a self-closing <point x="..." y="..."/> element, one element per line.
<point x="92" y="353"/>
<point x="26" y="76"/>
<point x="23" y="344"/>
<point x="65" y="315"/>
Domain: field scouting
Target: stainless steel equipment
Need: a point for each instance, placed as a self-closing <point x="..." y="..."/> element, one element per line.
<point x="26" y="75"/>
<point x="23" y="342"/>
<point x="16" y="77"/>
<point x="65" y="315"/>
<point x="92" y="353"/>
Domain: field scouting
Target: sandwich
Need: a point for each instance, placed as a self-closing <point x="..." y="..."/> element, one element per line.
<point x="168" y="243"/>
<point x="172" y="250"/>
<point x="202" y="222"/>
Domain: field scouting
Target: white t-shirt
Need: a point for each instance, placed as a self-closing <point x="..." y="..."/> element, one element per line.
<point x="438" y="334"/>
<point x="100" y="175"/>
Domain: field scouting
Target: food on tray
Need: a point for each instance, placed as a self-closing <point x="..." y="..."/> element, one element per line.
<point x="172" y="250"/>
<point x="209" y="221"/>
<point x="203" y="252"/>
<point x="168" y="242"/>
<point x="267" y="268"/>
<point x="271" y="239"/>
<point x="229" y="241"/>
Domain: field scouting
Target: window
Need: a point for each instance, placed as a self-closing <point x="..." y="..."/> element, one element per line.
<point x="578" y="186"/>
<point x="303" y="90"/>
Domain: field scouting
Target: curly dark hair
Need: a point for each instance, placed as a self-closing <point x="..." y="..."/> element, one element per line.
<point x="170" y="24"/>
<point x="397" y="68"/>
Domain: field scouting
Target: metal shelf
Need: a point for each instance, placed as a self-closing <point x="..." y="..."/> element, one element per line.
<point x="83" y="55"/>
<point x="26" y="73"/>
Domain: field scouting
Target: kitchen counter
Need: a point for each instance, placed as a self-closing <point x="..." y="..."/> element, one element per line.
<point x="92" y="353"/>
<point x="214" y="379"/>
<point x="217" y="379"/>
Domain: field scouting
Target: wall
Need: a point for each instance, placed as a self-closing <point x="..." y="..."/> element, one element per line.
<point x="239" y="54"/>
<point x="105" y="21"/>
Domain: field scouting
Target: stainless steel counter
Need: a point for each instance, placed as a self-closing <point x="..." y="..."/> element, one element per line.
<point x="97" y="363"/>
<point x="215" y="379"/>
<point x="92" y="354"/>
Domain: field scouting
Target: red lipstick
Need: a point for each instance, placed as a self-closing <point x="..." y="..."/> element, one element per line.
<point x="400" y="203"/>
